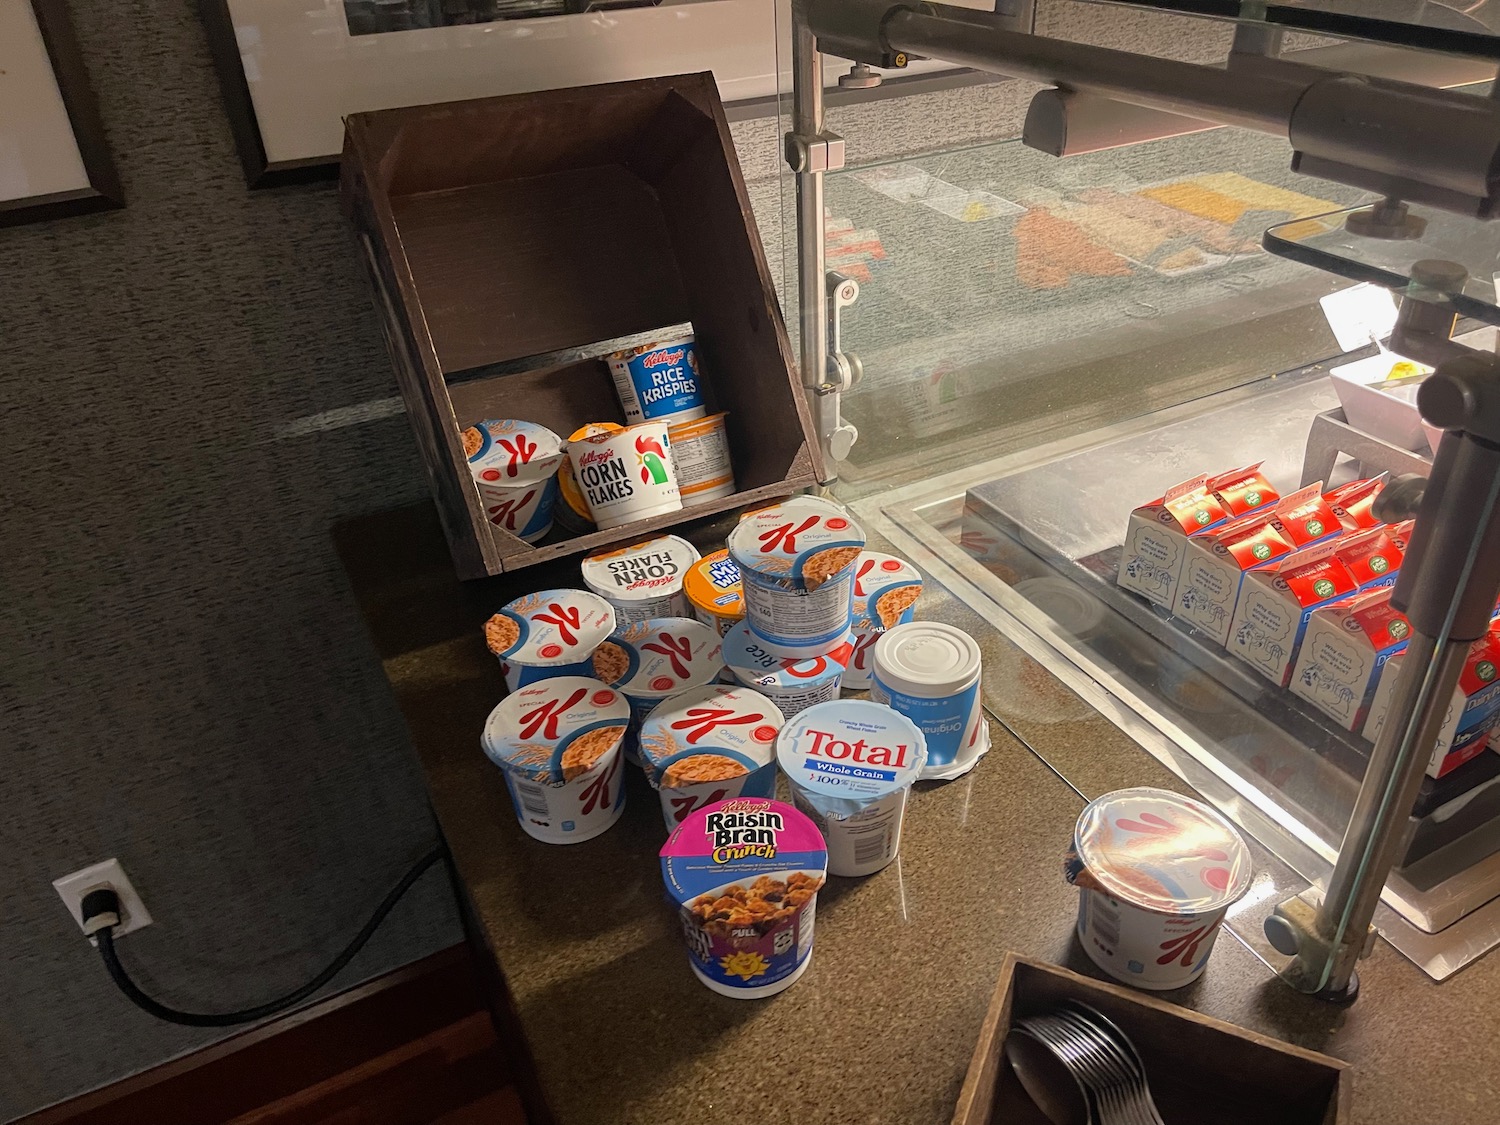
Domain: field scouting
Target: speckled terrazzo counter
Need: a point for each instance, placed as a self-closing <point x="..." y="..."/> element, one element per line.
<point x="881" y="1027"/>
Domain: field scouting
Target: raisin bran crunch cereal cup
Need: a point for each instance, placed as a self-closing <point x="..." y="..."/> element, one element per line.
<point x="550" y="633"/>
<point x="559" y="742"/>
<point x="796" y="562"/>
<point x="744" y="875"/>
<point x="851" y="764"/>
<point x="709" y="744"/>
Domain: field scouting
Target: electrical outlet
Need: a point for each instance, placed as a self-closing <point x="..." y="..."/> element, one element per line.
<point x="110" y="874"/>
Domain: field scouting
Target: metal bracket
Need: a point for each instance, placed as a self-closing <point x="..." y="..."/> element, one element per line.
<point x="823" y="152"/>
<point x="1292" y="929"/>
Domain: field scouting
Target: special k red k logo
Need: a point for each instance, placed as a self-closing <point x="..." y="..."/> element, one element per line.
<point x="784" y="538"/>
<point x="859" y="577"/>
<point x="566" y="618"/>
<point x="545" y="717"/>
<point x="701" y="720"/>
<point x="679" y="650"/>
<point x="520" y="452"/>
<point x="504" y="513"/>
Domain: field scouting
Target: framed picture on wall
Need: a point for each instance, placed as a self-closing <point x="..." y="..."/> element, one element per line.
<point x="292" y="69"/>
<point x="54" y="159"/>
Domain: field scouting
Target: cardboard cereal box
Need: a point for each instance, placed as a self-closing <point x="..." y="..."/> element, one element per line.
<point x="1214" y="567"/>
<point x="1347" y="645"/>
<point x="1156" y="538"/>
<point x="1472" y="715"/>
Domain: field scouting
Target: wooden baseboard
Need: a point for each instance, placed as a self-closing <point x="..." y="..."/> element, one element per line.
<point x="370" y="1055"/>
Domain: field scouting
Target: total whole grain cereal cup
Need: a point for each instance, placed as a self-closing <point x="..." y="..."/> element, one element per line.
<point x="796" y="563"/>
<point x="514" y="465"/>
<point x="885" y="593"/>
<point x="1156" y="874"/>
<point x="851" y="764"/>
<point x="625" y="475"/>
<point x="643" y="580"/>
<point x="559" y="744"/>
<point x="744" y="875"/>
<point x="713" y="590"/>
<point x="650" y="661"/>
<point x="550" y="633"/>
<point x="709" y="744"/>
<point x="790" y="684"/>
<point x="929" y="672"/>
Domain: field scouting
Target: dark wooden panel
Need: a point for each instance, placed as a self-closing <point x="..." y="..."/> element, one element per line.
<point x="518" y="267"/>
<point x="561" y="398"/>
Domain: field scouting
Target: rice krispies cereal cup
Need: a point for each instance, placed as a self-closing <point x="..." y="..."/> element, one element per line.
<point x="885" y="593"/>
<point x="559" y="744"/>
<point x="709" y="744"/>
<point x="1156" y="874"/>
<point x="550" y="633"/>
<point x="790" y="684"/>
<point x="659" y="381"/>
<point x="851" y="764"/>
<point x="514" y="465"/>
<point x="744" y="876"/>
<point x="796" y="562"/>
<point x="643" y="580"/>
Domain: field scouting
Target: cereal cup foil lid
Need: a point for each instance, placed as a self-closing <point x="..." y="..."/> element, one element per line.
<point x="709" y="733"/>
<point x="713" y="586"/>
<point x="659" y="657"/>
<point x="742" y="652"/>
<point x="505" y="451"/>
<point x="650" y="569"/>
<point x="1162" y="852"/>
<point x="739" y="841"/>
<point x="805" y="540"/>
<point x="550" y="627"/>
<point x="553" y="730"/>
<point x="846" y="753"/>
<point x="885" y="587"/>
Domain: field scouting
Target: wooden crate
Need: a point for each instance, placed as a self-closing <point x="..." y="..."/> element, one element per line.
<point x="1199" y="1069"/>
<point x="510" y="241"/>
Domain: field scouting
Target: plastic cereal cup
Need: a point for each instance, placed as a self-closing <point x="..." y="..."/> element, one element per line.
<point x="796" y="561"/>
<point x="625" y="475"/>
<point x="551" y="633"/>
<point x="558" y="743"/>
<point x="885" y="591"/>
<point x="643" y="580"/>
<point x="659" y="381"/>
<point x="709" y="744"/>
<point x="713" y="590"/>
<point x="744" y="875"/>
<point x="790" y="684"/>
<point x="700" y="452"/>
<point x="930" y="673"/>
<point x="851" y="764"/>
<point x="654" y="660"/>
<point x="514" y="465"/>
<point x="1156" y="874"/>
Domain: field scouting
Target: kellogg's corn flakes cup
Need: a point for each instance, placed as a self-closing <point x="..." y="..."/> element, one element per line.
<point x="559" y="743"/>
<point x="744" y="875"/>
<point x="550" y="633"/>
<point x="709" y="744"/>
<point x="643" y="580"/>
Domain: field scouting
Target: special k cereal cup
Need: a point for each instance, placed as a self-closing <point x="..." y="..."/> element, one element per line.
<point x="1156" y="874"/>
<point x="790" y="684"/>
<point x="654" y="660"/>
<point x="714" y="591"/>
<point x="796" y="562"/>
<point x="709" y="744"/>
<point x="885" y="591"/>
<point x="700" y="453"/>
<point x="744" y="875"/>
<point x="551" y="633"/>
<point x="625" y="475"/>
<point x="558" y="742"/>
<point x="514" y="464"/>
<point x="643" y="580"/>
<point x="851" y="764"/>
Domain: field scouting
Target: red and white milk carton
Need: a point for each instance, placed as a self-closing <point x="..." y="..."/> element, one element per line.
<point x="1156" y="538"/>
<point x="1242" y="491"/>
<point x="1354" y="502"/>
<point x="1276" y="605"/>
<point x="1214" y="568"/>
<point x="1473" y="713"/>
<point x="1346" y="647"/>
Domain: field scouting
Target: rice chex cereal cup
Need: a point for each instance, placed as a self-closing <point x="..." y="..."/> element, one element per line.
<point x="643" y="580"/>
<point x="744" y="875"/>
<point x="796" y="561"/>
<point x="514" y="464"/>
<point x="550" y="633"/>
<point x="790" y="684"/>
<point x="885" y="591"/>
<point x="558" y="742"/>
<point x="708" y="744"/>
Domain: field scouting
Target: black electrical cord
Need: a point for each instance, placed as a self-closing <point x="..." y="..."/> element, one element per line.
<point x="103" y="904"/>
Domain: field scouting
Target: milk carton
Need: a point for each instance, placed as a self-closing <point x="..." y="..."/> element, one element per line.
<point x="1276" y="604"/>
<point x="1472" y="715"/>
<point x="1341" y="658"/>
<point x="1354" y="503"/>
<point x="1374" y="556"/>
<point x="1214" y="567"/>
<point x="1306" y="517"/>
<point x="1156" y="539"/>
<point x="1242" y="491"/>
